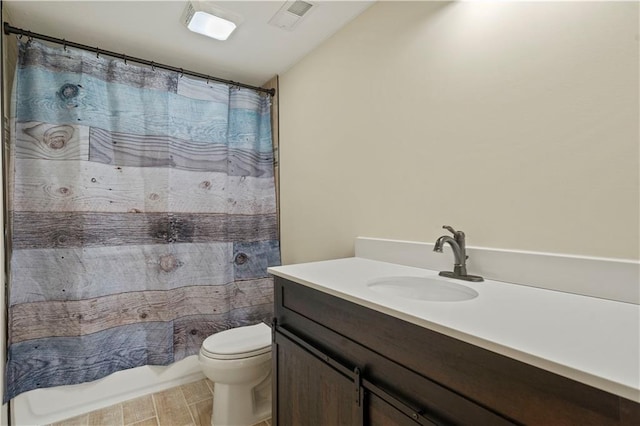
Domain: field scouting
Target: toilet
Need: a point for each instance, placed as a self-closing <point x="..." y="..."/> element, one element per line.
<point x="238" y="362"/>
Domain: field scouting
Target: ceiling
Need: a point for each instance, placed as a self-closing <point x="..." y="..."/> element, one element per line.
<point x="152" y="30"/>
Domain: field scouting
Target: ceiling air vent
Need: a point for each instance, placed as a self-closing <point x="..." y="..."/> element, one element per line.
<point x="291" y="14"/>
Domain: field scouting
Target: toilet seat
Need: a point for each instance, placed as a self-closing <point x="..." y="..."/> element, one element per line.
<point x="238" y="343"/>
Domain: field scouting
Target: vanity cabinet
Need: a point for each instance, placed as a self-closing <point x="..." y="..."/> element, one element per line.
<point x="339" y="363"/>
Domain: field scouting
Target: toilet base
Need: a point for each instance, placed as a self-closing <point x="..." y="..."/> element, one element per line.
<point x="234" y="406"/>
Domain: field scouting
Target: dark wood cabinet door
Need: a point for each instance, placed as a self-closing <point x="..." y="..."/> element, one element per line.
<point x="309" y="391"/>
<point x="380" y="413"/>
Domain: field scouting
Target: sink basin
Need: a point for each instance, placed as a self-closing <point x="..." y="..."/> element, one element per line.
<point x="422" y="288"/>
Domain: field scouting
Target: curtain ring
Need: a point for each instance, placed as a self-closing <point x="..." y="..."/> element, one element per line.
<point x="153" y="66"/>
<point x="207" y="80"/>
<point x="181" y="73"/>
<point x="97" y="52"/>
<point x="64" y="44"/>
<point x="124" y="58"/>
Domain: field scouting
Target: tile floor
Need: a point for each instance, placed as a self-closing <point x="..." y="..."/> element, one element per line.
<point x="186" y="405"/>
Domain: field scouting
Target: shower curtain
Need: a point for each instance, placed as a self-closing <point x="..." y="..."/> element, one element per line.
<point x="142" y="216"/>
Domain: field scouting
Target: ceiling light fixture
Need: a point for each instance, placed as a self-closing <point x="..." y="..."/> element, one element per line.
<point x="203" y="18"/>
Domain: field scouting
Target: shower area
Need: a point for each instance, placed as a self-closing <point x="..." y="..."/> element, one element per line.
<point x="141" y="214"/>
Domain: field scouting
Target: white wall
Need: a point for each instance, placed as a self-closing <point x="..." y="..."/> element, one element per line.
<point x="516" y="122"/>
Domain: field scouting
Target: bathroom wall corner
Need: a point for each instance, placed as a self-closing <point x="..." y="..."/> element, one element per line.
<point x="4" y="412"/>
<point x="8" y="55"/>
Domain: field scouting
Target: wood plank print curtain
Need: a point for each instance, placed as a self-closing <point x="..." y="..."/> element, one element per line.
<point x="142" y="216"/>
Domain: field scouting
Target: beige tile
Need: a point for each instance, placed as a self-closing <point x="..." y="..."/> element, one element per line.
<point x="149" y="422"/>
<point x="82" y="420"/>
<point x="171" y="408"/>
<point x="110" y="416"/>
<point x="201" y="412"/>
<point x="210" y="384"/>
<point x="138" y="409"/>
<point x="196" y="391"/>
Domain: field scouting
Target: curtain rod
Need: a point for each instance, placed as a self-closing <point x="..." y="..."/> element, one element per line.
<point x="8" y="29"/>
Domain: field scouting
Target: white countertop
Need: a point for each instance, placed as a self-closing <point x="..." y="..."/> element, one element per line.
<point x="590" y="340"/>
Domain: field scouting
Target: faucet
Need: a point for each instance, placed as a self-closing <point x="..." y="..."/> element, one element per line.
<point x="458" y="246"/>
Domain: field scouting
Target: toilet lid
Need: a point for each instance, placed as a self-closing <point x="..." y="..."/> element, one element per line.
<point x="240" y="342"/>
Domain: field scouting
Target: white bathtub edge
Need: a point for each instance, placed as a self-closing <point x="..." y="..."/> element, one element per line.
<point x="45" y="406"/>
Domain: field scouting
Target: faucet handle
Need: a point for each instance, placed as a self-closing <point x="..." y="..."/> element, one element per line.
<point x="450" y="229"/>
<point x="458" y="235"/>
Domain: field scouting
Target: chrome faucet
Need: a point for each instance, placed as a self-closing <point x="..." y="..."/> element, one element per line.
<point x="458" y="246"/>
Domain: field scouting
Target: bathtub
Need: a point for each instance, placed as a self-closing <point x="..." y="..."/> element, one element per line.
<point x="44" y="406"/>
